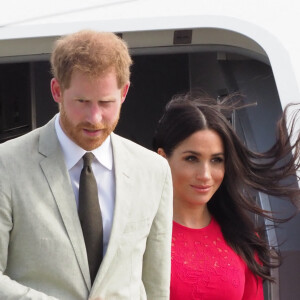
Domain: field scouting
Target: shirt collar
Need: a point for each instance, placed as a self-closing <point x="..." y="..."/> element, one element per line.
<point x="73" y="153"/>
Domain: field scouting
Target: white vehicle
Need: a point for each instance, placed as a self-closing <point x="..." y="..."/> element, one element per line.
<point x="220" y="46"/>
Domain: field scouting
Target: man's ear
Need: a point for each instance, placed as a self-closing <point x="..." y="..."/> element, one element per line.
<point x="161" y="152"/>
<point x="56" y="90"/>
<point x="124" y="91"/>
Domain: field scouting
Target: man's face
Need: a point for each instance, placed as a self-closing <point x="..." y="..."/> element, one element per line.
<point x="89" y="108"/>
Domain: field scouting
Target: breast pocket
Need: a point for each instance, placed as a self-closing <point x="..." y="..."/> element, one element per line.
<point x="137" y="226"/>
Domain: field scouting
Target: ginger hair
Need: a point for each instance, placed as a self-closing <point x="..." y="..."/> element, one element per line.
<point x="93" y="53"/>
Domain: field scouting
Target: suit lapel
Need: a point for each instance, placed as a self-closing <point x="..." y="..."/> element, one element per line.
<point x="124" y="194"/>
<point x="56" y="173"/>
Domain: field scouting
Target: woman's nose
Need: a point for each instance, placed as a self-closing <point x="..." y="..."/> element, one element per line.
<point x="204" y="172"/>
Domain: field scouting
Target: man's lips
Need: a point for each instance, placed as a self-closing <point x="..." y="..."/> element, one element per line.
<point x="92" y="132"/>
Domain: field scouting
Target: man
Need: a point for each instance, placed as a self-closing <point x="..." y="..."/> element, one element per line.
<point x="48" y="249"/>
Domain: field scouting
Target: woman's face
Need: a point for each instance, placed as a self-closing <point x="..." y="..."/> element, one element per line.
<point x="198" y="167"/>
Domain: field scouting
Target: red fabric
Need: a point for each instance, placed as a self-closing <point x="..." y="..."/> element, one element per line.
<point x="205" y="267"/>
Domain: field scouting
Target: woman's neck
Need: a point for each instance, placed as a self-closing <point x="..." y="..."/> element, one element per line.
<point x="195" y="217"/>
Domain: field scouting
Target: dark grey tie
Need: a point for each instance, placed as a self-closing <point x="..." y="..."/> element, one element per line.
<point x="90" y="215"/>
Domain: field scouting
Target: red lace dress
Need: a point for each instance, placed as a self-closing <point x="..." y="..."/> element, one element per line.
<point x="205" y="267"/>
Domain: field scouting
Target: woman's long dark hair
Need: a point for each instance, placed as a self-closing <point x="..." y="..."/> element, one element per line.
<point x="245" y="171"/>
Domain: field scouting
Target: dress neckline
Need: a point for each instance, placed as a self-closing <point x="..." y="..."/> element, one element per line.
<point x="209" y="225"/>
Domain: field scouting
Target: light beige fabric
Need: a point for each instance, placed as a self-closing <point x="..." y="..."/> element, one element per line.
<point x="42" y="251"/>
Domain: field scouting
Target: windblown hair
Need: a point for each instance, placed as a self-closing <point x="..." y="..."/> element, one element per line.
<point x="245" y="171"/>
<point x="92" y="53"/>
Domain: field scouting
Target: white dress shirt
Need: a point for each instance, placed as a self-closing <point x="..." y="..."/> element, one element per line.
<point x="103" y="170"/>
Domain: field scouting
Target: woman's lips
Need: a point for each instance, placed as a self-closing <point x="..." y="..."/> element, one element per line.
<point x="201" y="188"/>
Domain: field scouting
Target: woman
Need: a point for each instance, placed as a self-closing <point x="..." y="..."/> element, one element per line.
<point x="217" y="251"/>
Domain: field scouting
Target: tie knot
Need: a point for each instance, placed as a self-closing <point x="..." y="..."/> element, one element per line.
<point x="87" y="159"/>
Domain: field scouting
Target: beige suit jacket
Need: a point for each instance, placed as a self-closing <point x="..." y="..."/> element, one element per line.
<point x="42" y="250"/>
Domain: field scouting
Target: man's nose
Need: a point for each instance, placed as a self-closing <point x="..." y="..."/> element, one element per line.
<point x="94" y="113"/>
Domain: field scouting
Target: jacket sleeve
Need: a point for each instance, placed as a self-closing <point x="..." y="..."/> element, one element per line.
<point x="9" y="288"/>
<point x="157" y="257"/>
